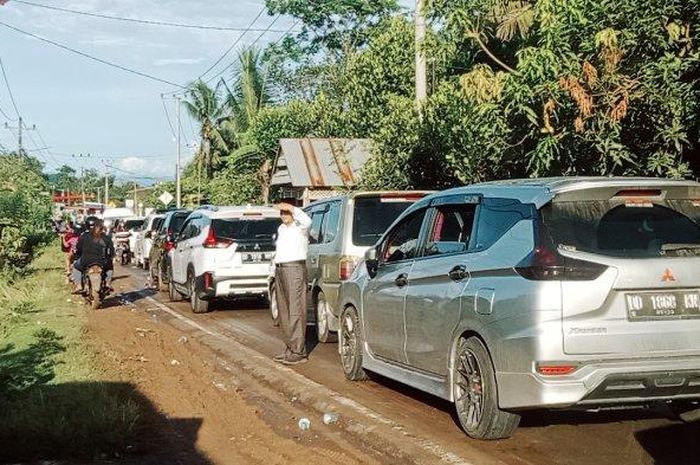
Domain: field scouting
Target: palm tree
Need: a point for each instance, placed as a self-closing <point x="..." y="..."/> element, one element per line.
<point x="203" y="104"/>
<point x="247" y="93"/>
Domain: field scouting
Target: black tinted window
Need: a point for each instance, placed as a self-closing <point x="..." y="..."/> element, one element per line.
<point x="176" y="221"/>
<point x="618" y="229"/>
<point x="497" y="217"/>
<point x="451" y="229"/>
<point x="246" y="230"/>
<point x="131" y="224"/>
<point x="156" y="224"/>
<point x="373" y="215"/>
<point x="402" y="242"/>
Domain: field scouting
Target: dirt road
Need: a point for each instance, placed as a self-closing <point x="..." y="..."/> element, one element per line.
<point x="217" y="367"/>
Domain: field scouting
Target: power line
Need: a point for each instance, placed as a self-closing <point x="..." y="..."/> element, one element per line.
<point x="167" y="115"/>
<point x="253" y="43"/>
<point x="233" y="45"/>
<point x="9" y="89"/>
<point x="139" y="21"/>
<point x="134" y="175"/>
<point x="7" y="117"/>
<point x="91" y="57"/>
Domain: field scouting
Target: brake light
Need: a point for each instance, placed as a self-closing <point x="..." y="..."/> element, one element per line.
<point x="213" y="242"/>
<point x="345" y="267"/>
<point x="208" y="280"/>
<point x="639" y="193"/>
<point x="547" y="264"/>
<point x="168" y="246"/>
<point x="556" y="370"/>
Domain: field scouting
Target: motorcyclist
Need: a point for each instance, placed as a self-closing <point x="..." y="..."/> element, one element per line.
<point x="94" y="247"/>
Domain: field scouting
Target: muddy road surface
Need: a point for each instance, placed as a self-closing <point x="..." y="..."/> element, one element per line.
<point x="380" y="421"/>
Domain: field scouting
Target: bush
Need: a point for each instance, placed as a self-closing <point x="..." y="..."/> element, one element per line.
<point x="25" y="212"/>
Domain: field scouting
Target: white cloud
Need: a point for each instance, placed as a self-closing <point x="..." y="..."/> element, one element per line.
<point x="155" y="168"/>
<point x="176" y="61"/>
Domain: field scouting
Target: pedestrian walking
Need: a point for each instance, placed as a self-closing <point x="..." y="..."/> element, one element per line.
<point x="291" y="281"/>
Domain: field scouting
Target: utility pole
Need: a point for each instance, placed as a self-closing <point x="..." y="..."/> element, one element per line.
<point x="421" y="73"/>
<point x="20" y="128"/>
<point x="82" y="173"/>
<point x="178" y="189"/>
<point x="106" y="183"/>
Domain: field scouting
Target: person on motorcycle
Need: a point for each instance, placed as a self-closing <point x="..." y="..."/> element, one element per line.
<point x="69" y="241"/>
<point x="94" y="247"/>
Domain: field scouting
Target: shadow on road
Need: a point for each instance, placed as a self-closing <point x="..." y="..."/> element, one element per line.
<point x="675" y="444"/>
<point x="81" y="420"/>
<point x="126" y="298"/>
<point x="93" y="420"/>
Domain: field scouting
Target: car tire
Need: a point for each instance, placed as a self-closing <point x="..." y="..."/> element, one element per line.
<point x="476" y="395"/>
<point x="351" y="342"/>
<point x="198" y="305"/>
<point x="173" y="294"/>
<point x="274" y="309"/>
<point x="322" y="316"/>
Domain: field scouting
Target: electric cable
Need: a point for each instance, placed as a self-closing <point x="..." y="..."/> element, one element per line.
<point x="91" y="57"/>
<point x="141" y="21"/>
<point x="9" y="89"/>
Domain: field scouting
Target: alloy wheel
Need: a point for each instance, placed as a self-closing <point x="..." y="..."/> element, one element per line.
<point x="469" y="388"/>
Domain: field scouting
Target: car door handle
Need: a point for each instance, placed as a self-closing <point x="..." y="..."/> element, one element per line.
<point x="458" y="273"/>
<point x="401" y="280"/>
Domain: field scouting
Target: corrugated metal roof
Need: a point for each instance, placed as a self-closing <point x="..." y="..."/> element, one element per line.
<point x="313" y="162"/>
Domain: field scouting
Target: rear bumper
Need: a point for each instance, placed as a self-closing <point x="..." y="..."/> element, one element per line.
<point x="603" y="384"/>
<point x="238" y="286"/>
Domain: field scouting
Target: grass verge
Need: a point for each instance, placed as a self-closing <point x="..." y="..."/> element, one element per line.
<point x="54" y="400"/>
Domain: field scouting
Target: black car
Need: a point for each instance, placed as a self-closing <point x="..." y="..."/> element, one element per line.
<point x="163" y="242"/>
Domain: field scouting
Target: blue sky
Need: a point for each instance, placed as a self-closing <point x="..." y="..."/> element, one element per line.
<point x="80" y="106"/>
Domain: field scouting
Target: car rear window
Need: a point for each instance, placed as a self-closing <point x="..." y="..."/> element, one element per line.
<point x="156" y="224"/>
<point x="614" y="228"/>
<point x="177" y="220"/>
<point x="246" y="230"/>
<point x="373" y="215"/>
<point x="131" y="224"/>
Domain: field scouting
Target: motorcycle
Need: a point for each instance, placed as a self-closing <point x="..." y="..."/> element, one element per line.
<point x="122" y="249"/>
<point x="94" y="286"/>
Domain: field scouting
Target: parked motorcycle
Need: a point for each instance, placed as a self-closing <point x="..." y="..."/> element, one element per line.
<point x="94" y="286"/>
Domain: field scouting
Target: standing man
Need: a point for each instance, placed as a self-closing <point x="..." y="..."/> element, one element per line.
<point x="291" y="281"/>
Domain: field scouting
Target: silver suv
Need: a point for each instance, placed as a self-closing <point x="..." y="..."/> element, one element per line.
<point x="342" y="229"/>
<point x="543" y="293"/>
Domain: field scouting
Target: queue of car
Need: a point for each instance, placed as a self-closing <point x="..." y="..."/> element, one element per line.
<point x="502" y="297"/>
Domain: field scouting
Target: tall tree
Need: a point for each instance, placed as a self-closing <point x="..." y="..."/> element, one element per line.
<point x="246" y="94"/>
<point x="204" y="105"/>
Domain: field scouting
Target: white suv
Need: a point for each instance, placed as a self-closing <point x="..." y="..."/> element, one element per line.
<point x="223" y="252"/>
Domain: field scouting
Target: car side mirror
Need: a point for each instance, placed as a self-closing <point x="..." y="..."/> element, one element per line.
<point x="371" y="262"/>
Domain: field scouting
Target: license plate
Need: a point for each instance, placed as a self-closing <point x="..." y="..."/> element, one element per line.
<point x="663" y="305"/>
<point x="256" y="257"/>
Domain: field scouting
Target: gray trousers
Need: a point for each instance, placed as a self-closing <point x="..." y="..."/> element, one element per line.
<point x="291" y="281"/>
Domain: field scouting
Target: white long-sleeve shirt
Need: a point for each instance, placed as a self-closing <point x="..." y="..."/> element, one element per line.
<point x="293" y="239"/>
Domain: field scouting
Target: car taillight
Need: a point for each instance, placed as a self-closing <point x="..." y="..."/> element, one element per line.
<point x="168" y="246"/>
<point x="208" y="280"/>
<point x="346" y="267"/>
<point x="556" y="369"/>
<point x="545" y="263"/>
<point x="213" y="242"/>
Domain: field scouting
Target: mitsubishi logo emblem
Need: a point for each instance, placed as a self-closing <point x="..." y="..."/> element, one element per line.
<point x="668" y="276"/>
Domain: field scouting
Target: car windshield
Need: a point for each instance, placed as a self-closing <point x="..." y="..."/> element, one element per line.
<point x="246" y="230"/>
<point x="373" y="215"/>
<point x="635" y="229"/>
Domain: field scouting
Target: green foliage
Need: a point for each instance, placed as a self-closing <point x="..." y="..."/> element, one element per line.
<point x="25" y="211"/>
